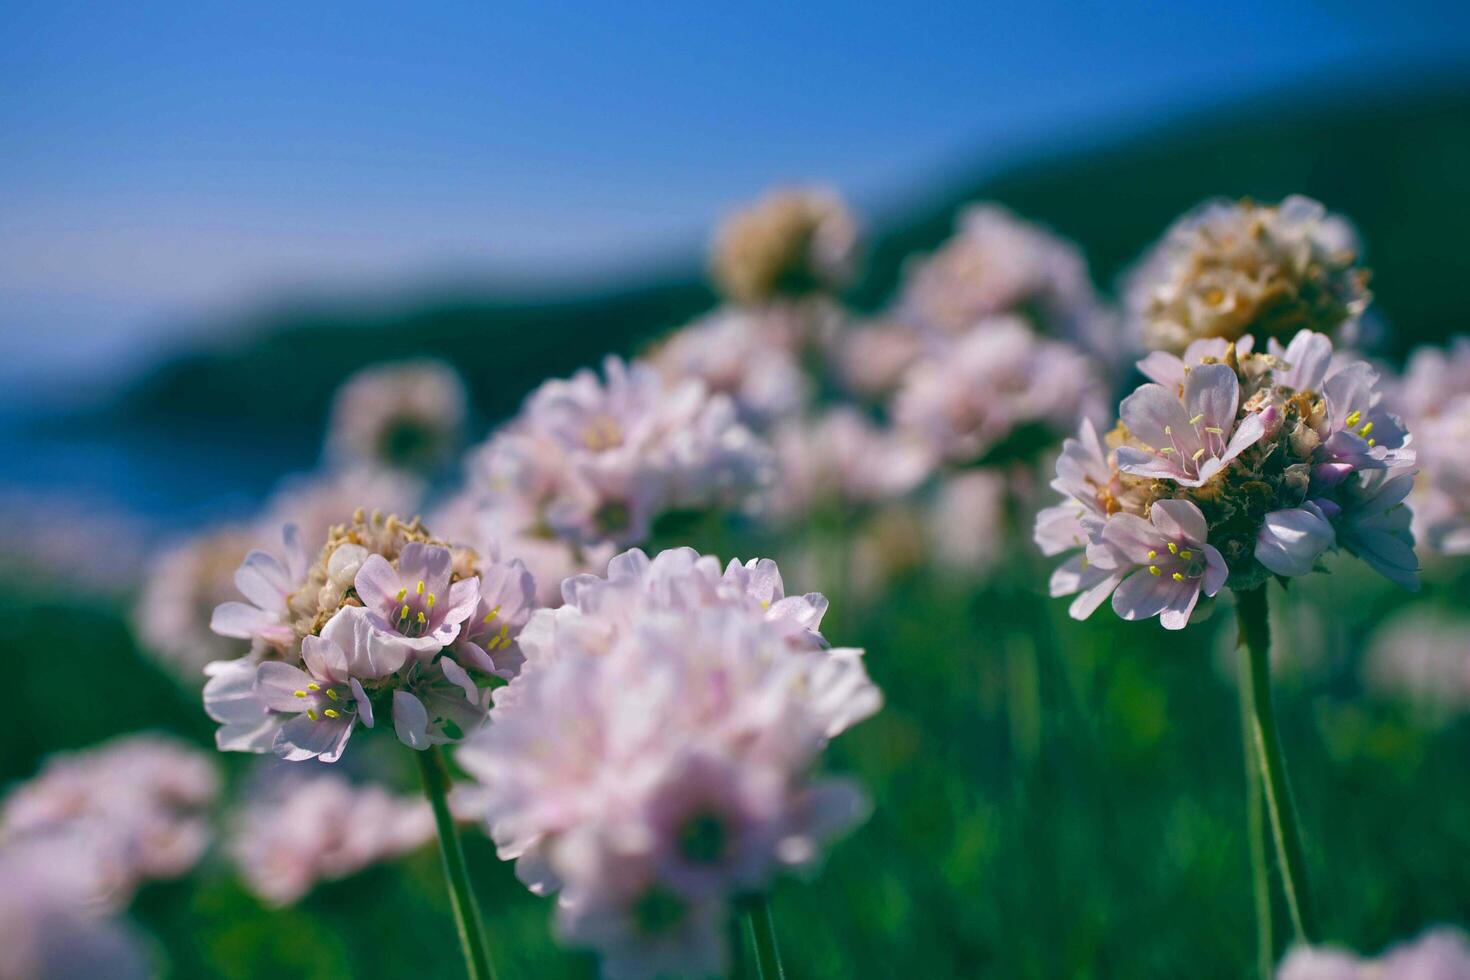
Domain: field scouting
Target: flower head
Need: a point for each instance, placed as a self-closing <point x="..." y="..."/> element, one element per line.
<point x="1231" y="269"/>
<point x="655" y="757"/>
<point x="1442" y="953"/>
<point x="997" y="381"/>
<point x="994" y="264"/>
<point x="380" y="620"/>
<point x="742" y="354"/>
<point x="132" y="810"/>
<point x="294" y="831"/>
<point x="408" y="416"/>
<point x="1245" y="464"/>
<point x="791" y="242"/>
<point x="1434" y="397"/>
<point x="595" y="460"/>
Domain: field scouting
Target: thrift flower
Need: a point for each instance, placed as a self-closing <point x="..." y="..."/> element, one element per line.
<point x="1248" y="464"/>
<point x="999" y="380"/>
<point x="295" y="831"/>
<point x="1442" y="953"/>
<point x="789" y="243"/>
<point x="407" y="416"/>
<point x="1232" y="269"/>
<point x="1434" y="396"/>
<point x="656" y="756"/>
<point x="742" y="355"/>
<point x="1421" y="656"/>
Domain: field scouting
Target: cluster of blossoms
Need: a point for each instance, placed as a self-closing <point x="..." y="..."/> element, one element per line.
<point x="654" y="760"/>
<point x="1230" y="466"/>
<point x="843" y="456"/>
<point x="1228" y="269"/>
<point x="51" y="927"/>
<point x="1422" y="656"/>
<point x="186" y="581"/>
<point x="1434" y="397"/>
<point x="1441" y="953"/>
<point x="304" y="829"/>
<point x="386" y="617"/>
<point x="789" y="243"/>
<point x="995" y="264"/>
<point x="999" y="380"/>
<point x="126" y="812"/>
<point x="750" y="356"/>
<point x="594" y="460"/>
<point x="405" y="416"/>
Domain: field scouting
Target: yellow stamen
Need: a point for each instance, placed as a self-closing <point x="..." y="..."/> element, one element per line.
<point x="422" y="620"/>
<point x="431" y="600"/>
<point x="333" y="695"/>
<point x="403" y="615"/>
<point x="1197" y="419"/>
<point x="332" y="713"/>
<point x="1197" y="454"/>
<point x="402" y="594"/>
<point x="1152" y="555"/>
<point x="420" y="589"/>
<point x="491" y="614"/>
<point x="1367" y="428"/>
<point x="299" y="694"/>
<point x="1177" y="577"/>
<point x="1168" y="430"/>
<point x="311" y="714"/>
<point x="1166" y="450"/>
<point x="1186" y="554"/>
<point x="1155" y="570"/>
<point x="1173" y="548"/>
<point x="1352" y="420"/>
<point x="1215" y="429"/>
<point x="313" y="686"/>
<point x="1372" y="443"/>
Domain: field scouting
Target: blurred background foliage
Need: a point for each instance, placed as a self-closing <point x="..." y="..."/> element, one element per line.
<point x="1053" y="799"/>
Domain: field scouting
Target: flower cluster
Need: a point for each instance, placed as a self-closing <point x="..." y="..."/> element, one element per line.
<point x="407" y="416"/>
<point x="1441" y="953"/>
<point x="305" y="829"/>
<point x="747" y="355"/>
<point x="654" y="759"/>
<point x="790" y="243"/>
<point x="1230" y="269"/>
<point x="1230" y="465"/>
<point x="996" y="263"/>
<point x="387" y="616"/>
<point x="126" y="812"/>
<point x="1422" y="657"/>
<point x="186" y="581"/>
<point x="842" y="456"/>
<point x="1434" y="397"/>
<point x="1000" y="380"/>
<point x="593" y="460"/>
<point x="50" y="925"/>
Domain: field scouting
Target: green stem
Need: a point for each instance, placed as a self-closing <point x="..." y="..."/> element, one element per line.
<point x="762" y="930"/>
<point x="1255" y="818"/>
<point x="461" y="895"/>
<point x="1255" y="633"/>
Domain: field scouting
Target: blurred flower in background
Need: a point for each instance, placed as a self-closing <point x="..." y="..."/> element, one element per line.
<point x="403" y="416"/>
<point x="790" y="243"/>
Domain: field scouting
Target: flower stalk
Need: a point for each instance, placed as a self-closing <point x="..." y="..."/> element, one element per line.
<point x="761" y="928"/>
<point x="461" y="895"/>
<point x="1255" y="633"/>
<point x="1255" y="818"/>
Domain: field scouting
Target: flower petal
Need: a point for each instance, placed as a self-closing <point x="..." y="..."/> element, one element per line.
<point x="276" y="685"/>
<point x="410" y="720"/>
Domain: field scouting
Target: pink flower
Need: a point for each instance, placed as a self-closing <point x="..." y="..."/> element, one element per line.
<point x="1188" y="438"/>
<point x="1174" y="563"/>
<point x="416" y="600"/>
<point x="1442" y="953"/>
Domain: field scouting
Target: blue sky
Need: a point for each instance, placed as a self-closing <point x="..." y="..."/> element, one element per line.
<point x="167" y="164"/>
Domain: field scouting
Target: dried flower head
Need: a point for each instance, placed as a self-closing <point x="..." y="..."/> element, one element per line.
<point x="655" y="757"/>
<point x="1238" y="466"/>
<point x="405" y="416"/>
<point x="789" y="243"/>
<point x="1232" y="269"/>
